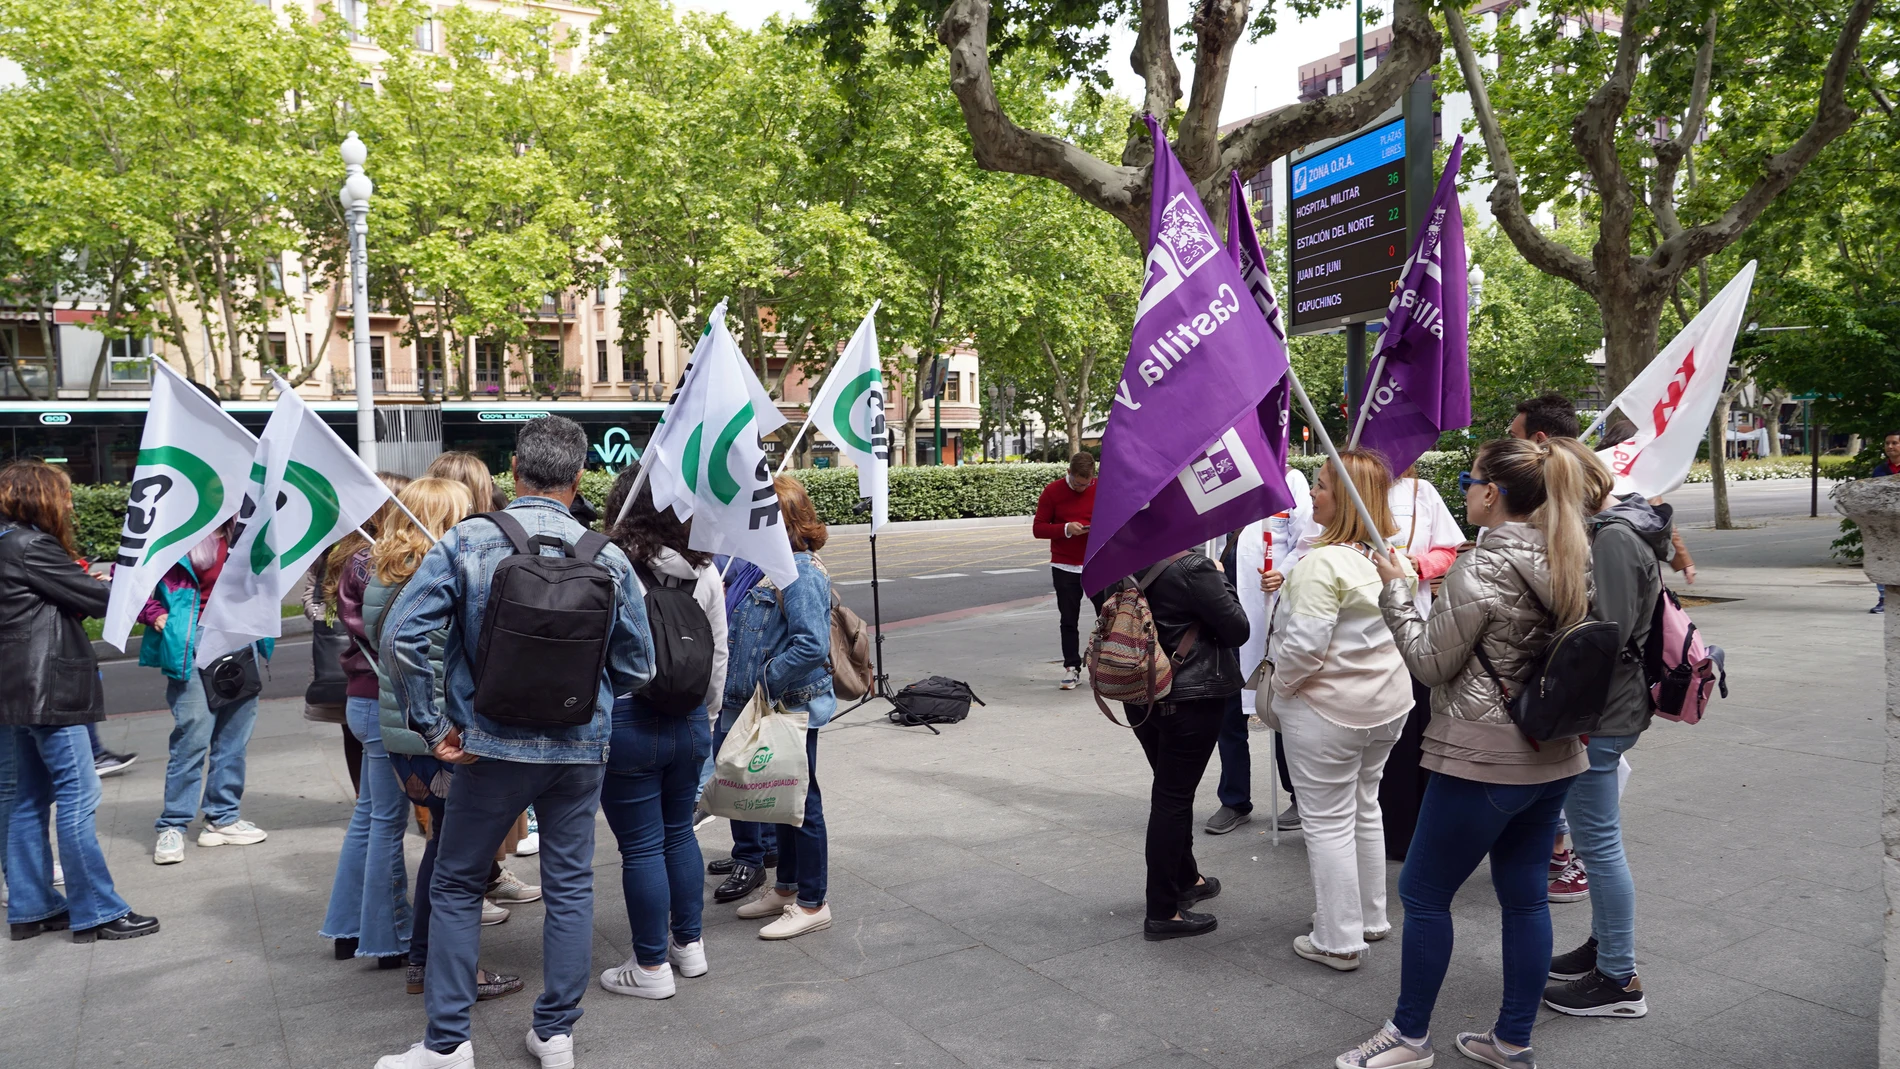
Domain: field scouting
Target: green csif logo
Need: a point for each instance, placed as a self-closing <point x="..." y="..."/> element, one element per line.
<point x="760" y="758"/>
<point x="324" y="509"/>
<point x="143" y="496"/>
<point x="871" y="385"/>
<point x="718" y="469"/>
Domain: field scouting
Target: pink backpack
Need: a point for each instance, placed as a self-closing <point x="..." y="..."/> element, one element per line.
<point x="1681" y="671"/>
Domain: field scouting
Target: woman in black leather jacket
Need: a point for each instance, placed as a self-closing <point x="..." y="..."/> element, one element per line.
<point x="52" y="693"/>
<point x="1199" y="621"/>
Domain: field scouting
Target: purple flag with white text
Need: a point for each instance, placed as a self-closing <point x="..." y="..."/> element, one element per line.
<point x="1423" y="386"/>
<point x="1243" y="243"/>
<point x="1185" y="457"/>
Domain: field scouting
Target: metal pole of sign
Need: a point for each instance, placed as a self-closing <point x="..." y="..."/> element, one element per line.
<point x="1814" y="466"/>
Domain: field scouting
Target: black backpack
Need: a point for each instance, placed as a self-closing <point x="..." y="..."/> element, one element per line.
<point x="936" y="700"/>
<point x="544" y="631"/>
<point x="682" y="645"/>
<point x="1569" y="683"/>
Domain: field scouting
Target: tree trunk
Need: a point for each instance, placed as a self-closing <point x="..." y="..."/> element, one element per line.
<point x="1718" y="463"/>
<point x="13" y="361"/>
<point x="1771" y="420"/>
<point x="99" y="365"/>
<point x="1632" y="319"/>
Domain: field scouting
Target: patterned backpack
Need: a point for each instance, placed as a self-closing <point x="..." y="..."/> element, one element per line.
<point x="1126" y="661"/>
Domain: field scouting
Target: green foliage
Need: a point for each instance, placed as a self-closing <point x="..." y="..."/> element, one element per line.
<point x="1440" y="468"/>
<point x="595" y="485"/>
<point x="935" y="493"/>
<point x="98" y="518"/>
<point x="1530" y="332"/>
<point x="1790" y="467"/>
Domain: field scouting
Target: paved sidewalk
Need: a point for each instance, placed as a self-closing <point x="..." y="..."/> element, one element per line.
<point x="987" y="889"/>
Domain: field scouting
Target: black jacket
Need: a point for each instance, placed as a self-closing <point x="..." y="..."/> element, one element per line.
<point x="52" y="677"/>
<point x="1194" y="590"/>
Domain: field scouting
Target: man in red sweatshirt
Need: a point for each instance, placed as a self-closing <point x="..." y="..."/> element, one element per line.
<point x="1062" y="516"/>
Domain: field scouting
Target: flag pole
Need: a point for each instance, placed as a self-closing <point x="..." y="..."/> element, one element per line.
<point x="1359" y="419"/>
<point x="639" y="480"/>
<point x="1326" y="443"/>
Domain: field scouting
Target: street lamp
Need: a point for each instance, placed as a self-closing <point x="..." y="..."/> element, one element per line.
<point x="355" y="197"/>
<point x="1476" y="279"/>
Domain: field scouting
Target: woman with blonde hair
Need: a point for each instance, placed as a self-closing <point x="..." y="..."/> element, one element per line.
<point x="440" y="504"/>
<point x="1494" y="792"/>
<point x="1340" y="695"/>
<point x="467" y="469"/>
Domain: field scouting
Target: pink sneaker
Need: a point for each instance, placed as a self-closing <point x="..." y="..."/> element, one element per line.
<point x="1570" y="885"/>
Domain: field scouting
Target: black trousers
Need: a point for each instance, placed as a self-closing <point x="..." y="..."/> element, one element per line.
<point x="1402" y="787"/>
<point x="1069" y="611"/>
<point x="1179" y="738"/>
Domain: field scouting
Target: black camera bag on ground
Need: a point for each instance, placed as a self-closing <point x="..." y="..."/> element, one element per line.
<point x="936" y="700"/>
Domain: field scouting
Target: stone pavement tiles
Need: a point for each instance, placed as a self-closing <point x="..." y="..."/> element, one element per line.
<point x="987" y="890"/>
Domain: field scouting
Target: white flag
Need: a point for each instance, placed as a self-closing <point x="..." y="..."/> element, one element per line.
<point x="194" y="461"/>
<point x="849" y="408"/>
<point x="709" y="450"/>
<point x="1674" y="398"/>
<point x="307" y="490"/>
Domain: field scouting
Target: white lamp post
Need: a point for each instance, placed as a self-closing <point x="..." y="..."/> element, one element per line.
<point x="355" y="197"/>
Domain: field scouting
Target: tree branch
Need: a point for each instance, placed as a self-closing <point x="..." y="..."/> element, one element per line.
<point x="1593" y="132"/>
<point x="1001" y="145"/>
<point x="1670" y="154"/>
<point x="1832" y="117"/>
<point x="1153" y="59"/>
<point x="1415" y="47"/>
<point x="1218" y="25"/>
<point x="1507" y="198"/>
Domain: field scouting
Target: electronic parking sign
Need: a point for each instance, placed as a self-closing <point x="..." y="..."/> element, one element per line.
<point x="1347" y="226"/>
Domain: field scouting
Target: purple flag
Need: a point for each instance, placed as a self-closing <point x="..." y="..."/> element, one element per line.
<point x="1185" y="456"/>
<point x="1420" y="383"/>
<point x="1244" y="245"/>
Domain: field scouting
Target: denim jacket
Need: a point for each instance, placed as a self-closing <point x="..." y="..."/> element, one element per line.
<point x="450" y="589"/>
<point x="790" y="648"/>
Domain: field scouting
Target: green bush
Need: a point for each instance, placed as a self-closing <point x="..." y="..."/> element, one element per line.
<point x="1440" y="468"/>
<point x="935" y="493"/>
<point x="98" y="517"/>
<point x="1796" y="467"/>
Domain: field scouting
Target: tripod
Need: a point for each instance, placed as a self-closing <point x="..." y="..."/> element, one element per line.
<point x="881" y="682"/>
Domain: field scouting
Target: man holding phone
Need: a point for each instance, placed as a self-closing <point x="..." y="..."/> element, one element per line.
<point x="1062" y="516"/>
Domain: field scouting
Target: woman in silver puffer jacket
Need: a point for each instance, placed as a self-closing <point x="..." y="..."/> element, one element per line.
<point x="1493" y="791"/>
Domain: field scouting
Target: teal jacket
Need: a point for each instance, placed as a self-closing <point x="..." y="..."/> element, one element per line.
<point x="173" y="648"/>
<point x="398" y="737"/>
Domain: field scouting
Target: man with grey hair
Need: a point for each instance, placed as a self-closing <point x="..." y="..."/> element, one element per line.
<point x="507" y="766"/>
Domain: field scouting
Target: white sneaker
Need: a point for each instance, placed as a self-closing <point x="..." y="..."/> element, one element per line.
<point x="631" y="979"/>
<point x="236" y="833"/>
<point x="509" y="888"/>
<point x="492" y="914"/>
<point x="1069" y="679"/>
<point x="171" y="847"/>
<point x="529" y="846"/>
<point x="555" y="1052"/>
<point x="1303" y="946"/>
<point x="767" y="903"/>
<point x="796" y="922"/>
<point x="421" y="1057"/>
<point x="690" y="959"/>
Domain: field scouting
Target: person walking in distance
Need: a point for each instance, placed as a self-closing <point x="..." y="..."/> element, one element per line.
<point x="1492" y="792"/>
<point x="1201" y="627"/>
<point x="49" y="786"/>
<point x="528" y="714"/>
<point x="1340" y="696"/>
<point x="1063" y="514"/>
<point x="660" y="740"/>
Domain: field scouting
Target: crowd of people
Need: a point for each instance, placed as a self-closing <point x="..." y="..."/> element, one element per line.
<point x="1387" y="679"/>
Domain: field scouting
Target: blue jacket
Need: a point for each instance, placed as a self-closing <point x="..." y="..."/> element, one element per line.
<point x="789" y="648"/>
<point x="450" y="589"/>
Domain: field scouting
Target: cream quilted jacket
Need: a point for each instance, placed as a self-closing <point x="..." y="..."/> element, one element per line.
<point x="1491" y="596"/>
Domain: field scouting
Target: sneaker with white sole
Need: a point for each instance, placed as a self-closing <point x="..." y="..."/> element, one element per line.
<point x="236" y="833"/>
<point x="767" y="903"/>
<point x="1387" y="1049"/>
<point x="689" y="959"/>
<point x="171" y="847"/>
<point x="530" y="843"/>
<point x="1572" y="884"/>
<point x="795" y="922"/>
<point x="421" y="1057"/>
<point x="1596" y="995"/>
<point x="555" y="1052"/>
<point x="631" y="979"/>
<point x="1482" y="1047"/>
<point x="1069" y="679"/>
<point x="1303" y="946"/>
<point x="492" y="914"/>
<point x="509" y="888"/>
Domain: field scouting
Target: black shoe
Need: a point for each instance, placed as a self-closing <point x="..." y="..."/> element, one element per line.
<point x="345" y="949"/>
<point x="723" y="866"/>
<point x="59" y="922"/>
<point x="1577" y="964"/>
<point x="130" y="926"/>
<point x="1226" y="819"/>
<point x="1596" y="995"/>
<point x="1201" y="892"/>
<point x="1189" y="924"/>
<point x="744" y="880"/>
<point x="392" y="961"/>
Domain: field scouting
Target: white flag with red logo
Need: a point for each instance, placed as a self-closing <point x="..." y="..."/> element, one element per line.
<point x="1672" y="401"/>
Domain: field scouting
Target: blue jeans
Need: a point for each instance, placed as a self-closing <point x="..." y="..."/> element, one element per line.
<point x="369" y="900"/>
<point x="9" y="783"/>
<point x="1459" y="823"/>
<point x="199" y="730"/>
<point x="647" y="797"/>
<point x="750" y="841"/>
<point x="1236" y="762"/>
<point x="804" y="852"/>
<point x="1596" y="831"/>
<point x="484" y="801"/>
<point x="53" y="766"/>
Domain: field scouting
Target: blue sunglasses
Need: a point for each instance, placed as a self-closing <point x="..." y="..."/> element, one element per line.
<point x="1466" y="481"/>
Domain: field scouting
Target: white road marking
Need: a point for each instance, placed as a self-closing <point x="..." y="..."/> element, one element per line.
<point x="1010" y="571"/>
<point x="943" y="575"/>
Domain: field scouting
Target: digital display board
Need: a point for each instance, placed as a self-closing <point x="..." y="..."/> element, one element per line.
<point x="1346" y="228"/>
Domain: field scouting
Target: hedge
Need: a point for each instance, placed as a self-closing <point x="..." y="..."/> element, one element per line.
<point x="1793" y="467"/>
